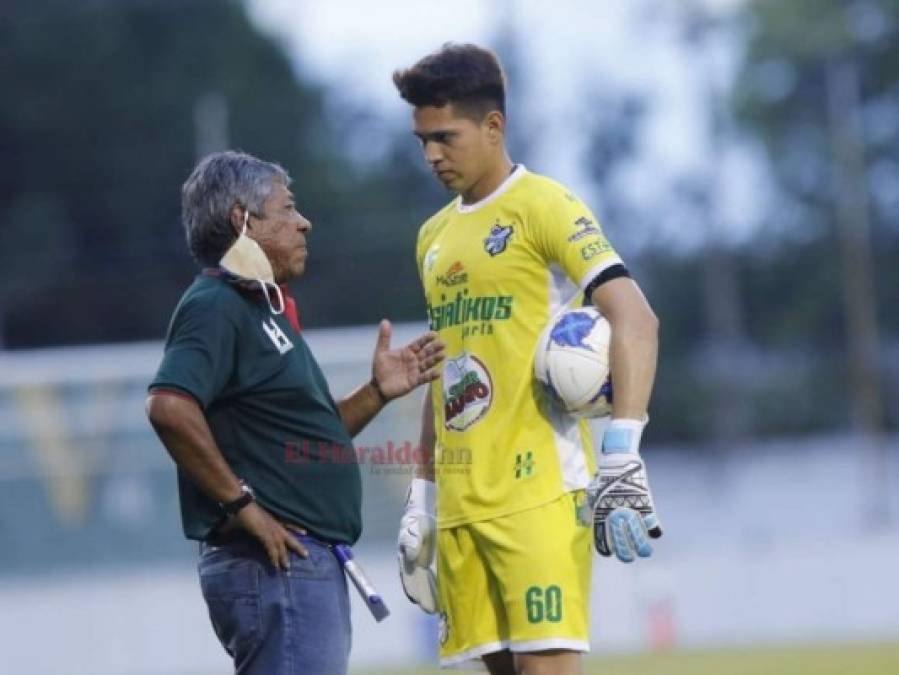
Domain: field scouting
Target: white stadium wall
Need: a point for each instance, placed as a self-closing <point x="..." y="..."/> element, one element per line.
<point x="767" y="543"/>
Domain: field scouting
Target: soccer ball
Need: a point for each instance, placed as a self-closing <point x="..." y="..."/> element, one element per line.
<point x="572" y="362"/>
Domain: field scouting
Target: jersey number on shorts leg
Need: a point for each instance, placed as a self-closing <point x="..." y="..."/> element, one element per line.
<point x="544" y="604"/>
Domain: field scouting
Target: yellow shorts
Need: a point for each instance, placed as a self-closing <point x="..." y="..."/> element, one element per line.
<point x="520" y="582"/>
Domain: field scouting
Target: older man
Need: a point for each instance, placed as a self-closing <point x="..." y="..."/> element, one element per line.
<point x="267" y="477"/>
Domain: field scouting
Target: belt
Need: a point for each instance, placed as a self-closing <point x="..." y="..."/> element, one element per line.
<point x="239" y="536"/>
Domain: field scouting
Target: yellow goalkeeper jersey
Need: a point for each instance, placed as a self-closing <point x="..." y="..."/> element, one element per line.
<point x="494" y="273"/>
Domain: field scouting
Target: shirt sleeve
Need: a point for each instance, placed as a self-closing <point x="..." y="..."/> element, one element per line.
<point x="568" y="234"/>
<point x="200" y="351"/>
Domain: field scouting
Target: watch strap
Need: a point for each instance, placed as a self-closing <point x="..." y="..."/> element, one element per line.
<point x="231" y="508"/>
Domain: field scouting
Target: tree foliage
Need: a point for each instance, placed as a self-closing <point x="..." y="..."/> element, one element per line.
<point x="100" y="134"/>
<point x="97" y="133"/>
<point x="781" y="97"/>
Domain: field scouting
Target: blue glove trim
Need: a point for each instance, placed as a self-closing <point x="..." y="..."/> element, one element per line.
<point x="628" y="535"/>
<point x="615" y="441"/>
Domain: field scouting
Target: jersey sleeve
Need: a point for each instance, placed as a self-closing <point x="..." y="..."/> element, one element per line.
<point x="420" y="254"/>
<point x="568" y="234"/>
<point x="424" y="249"/>
<point x="200" y="352"/>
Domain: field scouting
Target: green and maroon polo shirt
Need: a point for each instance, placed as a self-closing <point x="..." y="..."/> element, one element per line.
<point x="268" y="406"/>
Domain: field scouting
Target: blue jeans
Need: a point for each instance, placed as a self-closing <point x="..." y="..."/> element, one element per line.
<point x="273" y="622"/>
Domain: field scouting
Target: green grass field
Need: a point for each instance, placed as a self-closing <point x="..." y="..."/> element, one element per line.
<point x="877" y="659"/>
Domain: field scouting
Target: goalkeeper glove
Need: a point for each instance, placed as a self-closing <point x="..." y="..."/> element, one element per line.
<point x="624" y="517"/>
<point x="417" y="543"/>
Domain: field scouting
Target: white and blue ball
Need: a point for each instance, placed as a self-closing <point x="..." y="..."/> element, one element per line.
<point x="572" y="362"/>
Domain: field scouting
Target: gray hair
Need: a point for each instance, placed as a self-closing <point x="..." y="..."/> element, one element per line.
<point x="218" y="182"/>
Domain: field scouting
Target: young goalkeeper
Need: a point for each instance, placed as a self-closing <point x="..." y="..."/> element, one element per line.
<point x="511" y="528"/>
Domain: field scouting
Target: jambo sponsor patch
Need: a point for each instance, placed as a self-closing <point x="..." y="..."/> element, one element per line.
<point x="467" y="391"/>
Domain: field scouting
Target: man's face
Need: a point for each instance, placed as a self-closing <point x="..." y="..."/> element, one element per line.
<point x="281" y="232"/>
<point x="456" y="147"/>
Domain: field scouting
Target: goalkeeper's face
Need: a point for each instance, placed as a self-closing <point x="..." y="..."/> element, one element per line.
<point x="459" y="150"/>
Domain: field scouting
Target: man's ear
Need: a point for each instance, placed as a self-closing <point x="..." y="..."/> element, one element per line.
<point x="236" y="216"/>
<point x="496" y="126"/>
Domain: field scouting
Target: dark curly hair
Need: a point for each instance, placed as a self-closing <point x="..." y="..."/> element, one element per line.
<point x="466" y="75"/>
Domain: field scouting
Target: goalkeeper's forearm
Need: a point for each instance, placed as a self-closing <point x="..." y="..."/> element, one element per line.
<point x="425" y="467"/>
<point x="634" y="346"/>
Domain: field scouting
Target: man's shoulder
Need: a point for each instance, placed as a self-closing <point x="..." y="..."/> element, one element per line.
<point x="211" y="294"/>
<point x="537" y="189"/>
<point x="436" y="221"/>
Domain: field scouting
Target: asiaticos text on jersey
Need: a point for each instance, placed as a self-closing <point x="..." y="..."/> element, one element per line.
<point x="463" y="309"/>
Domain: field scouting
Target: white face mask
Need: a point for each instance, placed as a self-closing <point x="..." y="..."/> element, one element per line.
<point x="246" y="260"/>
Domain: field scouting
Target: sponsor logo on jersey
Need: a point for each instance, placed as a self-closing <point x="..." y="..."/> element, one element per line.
<point x="595" y="248"/>
<point x="587" y="228"/>
<point x="467" y="392"/>
<point x="524" y="464"/>
<point x="498" y="239"/>
<point x="454" y="276"/>
<point x="430" y="258"/>
<point x="464" y="309"/>
<point x="276" y="335"/>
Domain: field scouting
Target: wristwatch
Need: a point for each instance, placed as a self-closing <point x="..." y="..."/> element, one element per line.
<point x="246" y="496"/>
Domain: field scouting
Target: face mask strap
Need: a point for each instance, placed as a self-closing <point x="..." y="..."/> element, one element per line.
<point x="277" y="292"/>
<point x="246" y="221"/>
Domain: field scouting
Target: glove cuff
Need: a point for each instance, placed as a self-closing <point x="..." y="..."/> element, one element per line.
<point x="422" y="496"/>
<point x="622" y="436"/>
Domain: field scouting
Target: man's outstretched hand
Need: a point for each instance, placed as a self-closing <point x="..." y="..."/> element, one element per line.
<point x="396" y="372"/>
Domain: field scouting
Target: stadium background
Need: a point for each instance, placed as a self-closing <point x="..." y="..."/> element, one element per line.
<point x="744" y="158"/>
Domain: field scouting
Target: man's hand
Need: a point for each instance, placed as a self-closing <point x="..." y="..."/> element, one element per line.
<point x="624" y="517"/>
<point x="396" y="372"/>
<point x="417" y="543"/>
<point x="277" y="539"/>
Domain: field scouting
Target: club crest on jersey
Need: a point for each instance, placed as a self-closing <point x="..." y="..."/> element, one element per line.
<point x="498" y="239"/>
<point x="276" y="335"/>
<point x="467" y="392"/>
